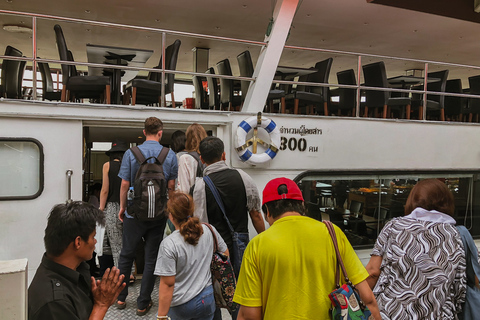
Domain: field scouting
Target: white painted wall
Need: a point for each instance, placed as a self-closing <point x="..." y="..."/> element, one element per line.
<point x="23" y="221"/>
<point x="374" y="144"/>
<point x="344" y="144"/>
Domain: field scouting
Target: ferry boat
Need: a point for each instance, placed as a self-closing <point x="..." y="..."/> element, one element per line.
<point x="354" y="170"/>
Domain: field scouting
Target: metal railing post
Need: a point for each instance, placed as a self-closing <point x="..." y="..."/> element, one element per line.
<point x="359" y="96"/>
<point x="164" y="40"/>
<point x="34" y="66"/>
<point x="425" y="83"/>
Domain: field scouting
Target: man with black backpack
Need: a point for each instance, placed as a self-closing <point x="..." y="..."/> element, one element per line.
<point x="151" y="170"/>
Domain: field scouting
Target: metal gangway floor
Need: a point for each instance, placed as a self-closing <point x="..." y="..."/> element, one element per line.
<point x="129" y="313"/>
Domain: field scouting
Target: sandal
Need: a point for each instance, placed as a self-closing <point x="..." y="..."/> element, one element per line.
<point x="121" y="305"/>
<point x="132" y="280"/>
<point x="144" y="311"/>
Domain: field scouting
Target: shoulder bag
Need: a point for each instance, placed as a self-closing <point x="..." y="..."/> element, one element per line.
<point x="223" y="277"/>
<point x="240" y="239"/>
<point x="346" y="302"/>
<point x="472" y="299"/>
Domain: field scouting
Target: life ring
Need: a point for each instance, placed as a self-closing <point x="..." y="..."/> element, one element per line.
<point x="242" y="143"/>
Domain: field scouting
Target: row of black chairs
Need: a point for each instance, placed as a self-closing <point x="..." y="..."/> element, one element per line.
<point x="441" y="107"/>
<point x="221" y="91"/>
<point x="139" y="90"/>
<point x="302" y="99"/>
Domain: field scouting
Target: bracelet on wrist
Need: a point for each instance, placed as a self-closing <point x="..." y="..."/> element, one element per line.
<point x="163" y="317"/>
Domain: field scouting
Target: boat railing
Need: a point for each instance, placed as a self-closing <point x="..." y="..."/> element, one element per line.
<point x="359" y="87"/>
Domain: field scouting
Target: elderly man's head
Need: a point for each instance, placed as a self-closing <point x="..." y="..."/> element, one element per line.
<point x="282" y="195"/>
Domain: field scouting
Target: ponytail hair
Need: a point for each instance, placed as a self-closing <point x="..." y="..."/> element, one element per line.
<point x="180" y="206"/>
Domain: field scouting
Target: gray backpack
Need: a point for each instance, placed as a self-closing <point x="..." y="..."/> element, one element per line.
<point x="150" y="187"/>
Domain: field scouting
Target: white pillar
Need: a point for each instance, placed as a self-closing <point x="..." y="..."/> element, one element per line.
<point x="270" y="56"/>
<point x="13" y="289"/>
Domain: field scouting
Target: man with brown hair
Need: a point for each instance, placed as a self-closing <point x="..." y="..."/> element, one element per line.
<point x="133" y="229"/>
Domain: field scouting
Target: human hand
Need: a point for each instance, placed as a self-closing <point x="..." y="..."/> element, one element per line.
<point x="106" y="291"/>
<point x="121" y="214"/>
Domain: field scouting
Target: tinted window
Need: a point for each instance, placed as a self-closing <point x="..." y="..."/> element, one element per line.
<point x="21" y="169"/>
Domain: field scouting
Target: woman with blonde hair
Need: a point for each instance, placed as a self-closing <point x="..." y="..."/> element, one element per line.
<point x="417" y="267"/>
<point x="189" y="165"/>
<point x="183" y="264"/>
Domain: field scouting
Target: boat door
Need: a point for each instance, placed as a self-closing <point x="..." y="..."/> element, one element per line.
<point x="36" y="155"/>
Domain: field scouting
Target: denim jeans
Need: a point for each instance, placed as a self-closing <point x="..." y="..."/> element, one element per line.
<point x="133" y="232"/>
<point x="201" y="307"/>
<point x="240" y="242"/>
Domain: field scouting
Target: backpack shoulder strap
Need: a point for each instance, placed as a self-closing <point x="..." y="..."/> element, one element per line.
<point x="138" y="154"/>
<point x="196" y="156"/>
<point x="163" y="155"/>
<point x="218" y="199"/>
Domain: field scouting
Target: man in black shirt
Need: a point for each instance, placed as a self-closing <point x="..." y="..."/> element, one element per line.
<point x="238" y="192"/>
<point x="62" y="287"/>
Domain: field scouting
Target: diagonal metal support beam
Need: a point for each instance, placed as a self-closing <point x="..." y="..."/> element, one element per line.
<point x="270" y="56"/>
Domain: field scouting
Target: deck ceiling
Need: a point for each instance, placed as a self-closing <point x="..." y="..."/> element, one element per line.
<point x="347" y="25"/>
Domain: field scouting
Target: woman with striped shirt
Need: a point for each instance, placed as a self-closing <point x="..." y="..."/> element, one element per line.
<point x="417" y="267"/>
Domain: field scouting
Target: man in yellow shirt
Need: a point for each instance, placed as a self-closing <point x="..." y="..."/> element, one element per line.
<point x="288" y="271"/>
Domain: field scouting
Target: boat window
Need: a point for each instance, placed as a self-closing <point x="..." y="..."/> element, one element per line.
<point x="21" y="168"/>
<point x="361" y="204"/>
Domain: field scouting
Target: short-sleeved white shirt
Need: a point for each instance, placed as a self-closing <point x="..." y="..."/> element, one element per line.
<point x="188" y="263"/>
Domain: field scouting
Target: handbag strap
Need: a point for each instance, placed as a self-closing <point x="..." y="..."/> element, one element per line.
<point x="333" y="236"/>
<point x="470" y="249"/>
<point x="215" y="242"/>
<point x="215" y="193"/>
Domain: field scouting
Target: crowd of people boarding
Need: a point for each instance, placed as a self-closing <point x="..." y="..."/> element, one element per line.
<point x="418" y="266"/>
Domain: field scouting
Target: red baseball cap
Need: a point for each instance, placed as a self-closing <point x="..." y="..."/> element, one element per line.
<point x="270" y="192"/>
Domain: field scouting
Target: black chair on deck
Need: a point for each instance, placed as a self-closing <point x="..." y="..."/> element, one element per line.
<point x="92" y="87"/>
<point x="337" y="218"/>
<point x="227" y="97"/>
<point x="12" y="74"/>
<point x="356" y="207"/>
<point x="47" y="83"/>
<point x="245" y="66"/>
<point x="375" y="75"/>
<point x="201" y="97"/>
<point x="454" y="105"/>
<point x="434" y="102"/>
<point x="347" y="97"/>
<point x="149" y="91"/>
<point x="213" y="97"/>
<point x="474" y="103"/>
<point x="313" y="96"/>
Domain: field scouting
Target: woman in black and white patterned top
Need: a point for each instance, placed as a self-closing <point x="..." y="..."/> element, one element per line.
<point x="417" y="267"/>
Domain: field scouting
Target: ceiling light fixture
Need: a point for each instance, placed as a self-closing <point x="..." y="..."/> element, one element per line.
<point x="17" y="29"/>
